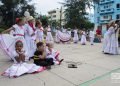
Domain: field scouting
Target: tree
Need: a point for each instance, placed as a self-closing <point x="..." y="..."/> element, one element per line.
<point x="12" y="9"/>
<point x="88" y="25"/>
<point x="75" y="12"/>
<point x="44" y="20"/>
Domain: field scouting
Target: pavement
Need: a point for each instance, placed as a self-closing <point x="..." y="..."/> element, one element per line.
<point x="94" y="69"/>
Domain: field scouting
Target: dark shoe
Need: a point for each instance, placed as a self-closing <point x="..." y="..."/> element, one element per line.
<point x="61" y="61"/>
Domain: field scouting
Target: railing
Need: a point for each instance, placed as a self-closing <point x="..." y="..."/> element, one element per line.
<point x="106" y="1"/>
<point x="107" y="11"/>
<point x="104" y="21"/>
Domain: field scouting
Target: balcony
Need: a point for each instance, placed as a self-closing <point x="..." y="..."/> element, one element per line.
<point x="107" y="11"/>
<point x="104" y="21"/>
<point x="106" y="1"/>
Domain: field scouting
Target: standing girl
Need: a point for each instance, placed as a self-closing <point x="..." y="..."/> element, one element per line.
<point x="75" y="39"/>
<point x="91" y="36"/>
<point x="49" y="37"/>
<point x="8" y="41"/>
<point x="83" y="38"/>
<point x="111" y="40"/>
<point x="39" y="31"/>
<point x="30" y="36"/>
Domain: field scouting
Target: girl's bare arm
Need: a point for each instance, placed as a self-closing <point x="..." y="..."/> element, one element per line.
<point x="8" y="30"/>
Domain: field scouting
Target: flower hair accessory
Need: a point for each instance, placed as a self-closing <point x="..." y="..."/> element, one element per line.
<point x="17" y="20"/>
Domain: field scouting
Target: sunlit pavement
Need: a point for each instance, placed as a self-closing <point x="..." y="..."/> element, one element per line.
<point x="94" y="69"/>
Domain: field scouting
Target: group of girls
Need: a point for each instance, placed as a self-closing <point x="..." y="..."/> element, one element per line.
<point x="24" y="41"/>
<point x="82" y="36"/>
<point x="110" y="44"/>
<point x="66" y="36"/>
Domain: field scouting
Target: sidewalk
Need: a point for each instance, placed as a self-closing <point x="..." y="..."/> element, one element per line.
<point x="94" y="69"/>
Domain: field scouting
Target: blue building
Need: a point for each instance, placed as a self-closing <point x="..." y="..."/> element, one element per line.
<point x="105" y="11"/>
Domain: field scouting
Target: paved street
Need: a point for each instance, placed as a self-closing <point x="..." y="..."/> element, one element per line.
<point x="94" y="69"/>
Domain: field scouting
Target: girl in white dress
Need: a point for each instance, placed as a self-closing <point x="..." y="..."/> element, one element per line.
<point x="51" y="53"/>
<point x="117" y="30"/>
<point x="69" y="32"/>
<point x="83" y="38"/>
<point x="57" y="40"/>
<point x="75" y="39"/>
<point x="49" y="37"/>
<point x="20" y="67"/>
<point x="92" y="36"/>
<point x="9" y="41"/>
<point x="30" y="36"/>
<point x="111" y="40"/>
<point x="39" y="31"/>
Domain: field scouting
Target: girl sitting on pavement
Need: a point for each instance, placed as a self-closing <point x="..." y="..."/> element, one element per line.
<point x="20" y="67"/>
<point x="51" y="53"/>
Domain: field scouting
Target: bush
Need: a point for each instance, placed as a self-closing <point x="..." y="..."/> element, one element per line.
<point x="1" y="29"/>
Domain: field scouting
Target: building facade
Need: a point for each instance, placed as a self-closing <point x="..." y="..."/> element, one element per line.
<point x="57" y="15"/>
<point x="105" y="11"/>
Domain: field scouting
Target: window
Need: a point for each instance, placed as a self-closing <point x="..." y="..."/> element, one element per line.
<point x="118" y="5"/>
<point x="106" y="6"/>
<point x="102" y="10"/>
<point x="54" y="16"/>
<point x="110" y="17"/>
<point x="105" y="17"/>
<point x="54" y="12"/>
<point x="118" y="16"/>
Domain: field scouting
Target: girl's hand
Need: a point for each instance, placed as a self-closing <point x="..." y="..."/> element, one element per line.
<point x="40" y="56"/>
<point x="17" y="51"/>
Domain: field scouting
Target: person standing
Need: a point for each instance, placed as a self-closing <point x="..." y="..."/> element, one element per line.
<point x="83" y="38"/>
<point x="75" y="38"/>
<point x="91" y="36"/>
<point x="117" y="30"/>
<point x="57" y="39"/>
<point x="30" y="35"/>
<point x="99" y="33"/>
<point x="39" y="31"/>
<point x="8" y="41"/>
<point x="111" y="41"/>
<point x="49" y="37"/>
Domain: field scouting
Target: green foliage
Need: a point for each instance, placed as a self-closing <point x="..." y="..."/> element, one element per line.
<point x="75" y="13"/>
<point x="12" y="9"/>
<point x="88" y="25"/>
<point x="44" y="20"/>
